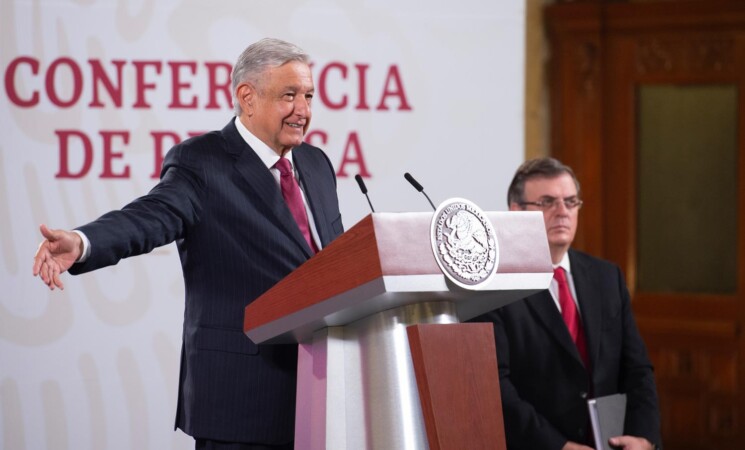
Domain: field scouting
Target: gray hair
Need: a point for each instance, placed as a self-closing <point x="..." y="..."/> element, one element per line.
<point x="536" y="168"/>
<point x="260" y="56"/>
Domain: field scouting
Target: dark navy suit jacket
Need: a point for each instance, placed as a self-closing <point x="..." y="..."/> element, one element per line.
<point x="236" y="239"/>
<point x="544" y="383"/>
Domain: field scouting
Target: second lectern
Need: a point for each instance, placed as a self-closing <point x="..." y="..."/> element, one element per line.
<point x="384" y="361"/>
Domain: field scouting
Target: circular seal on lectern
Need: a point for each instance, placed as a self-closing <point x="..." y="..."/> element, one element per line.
<point x="464" y="243"/>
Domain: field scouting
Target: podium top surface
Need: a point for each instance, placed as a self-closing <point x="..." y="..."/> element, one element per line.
<point x="386" y="261"/>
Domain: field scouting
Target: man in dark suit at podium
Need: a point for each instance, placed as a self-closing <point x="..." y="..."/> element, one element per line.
<point x="576" y="340"/>
<point x="246" y="205"/>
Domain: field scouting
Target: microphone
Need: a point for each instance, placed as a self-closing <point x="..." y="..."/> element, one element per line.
<point x="418" y="187"/>
<point x="363" y="188"/>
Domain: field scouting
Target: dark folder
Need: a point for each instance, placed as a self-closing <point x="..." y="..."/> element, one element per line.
<point x="607" y="417"/>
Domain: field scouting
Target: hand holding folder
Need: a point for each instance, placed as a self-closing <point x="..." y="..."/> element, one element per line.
<point x="607" y="416"/>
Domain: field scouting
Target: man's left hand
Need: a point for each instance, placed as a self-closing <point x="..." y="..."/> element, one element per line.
<point x="631" y="443"/>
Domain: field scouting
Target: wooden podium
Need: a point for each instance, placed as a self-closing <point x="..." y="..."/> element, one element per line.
<point x="383" y="360"/>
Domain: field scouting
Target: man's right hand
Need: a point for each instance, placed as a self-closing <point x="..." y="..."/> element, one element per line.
<point x="57" y="252"/>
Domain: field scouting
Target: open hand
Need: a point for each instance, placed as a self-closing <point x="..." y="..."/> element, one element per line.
<point x="57" y="252"/>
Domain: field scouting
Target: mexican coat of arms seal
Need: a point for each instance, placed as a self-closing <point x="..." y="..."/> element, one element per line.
<point x="464" y="243"/>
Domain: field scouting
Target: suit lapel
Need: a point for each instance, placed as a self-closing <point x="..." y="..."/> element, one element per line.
<point x="548" y="315"/>
<point x="263" y="185"/>
<point x="312" y="190"/>
<point x="590" y="308"/>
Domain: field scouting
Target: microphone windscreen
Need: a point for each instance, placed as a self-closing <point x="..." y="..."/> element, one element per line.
<point x="413" y="182"/>
<point x="361" y="183"/>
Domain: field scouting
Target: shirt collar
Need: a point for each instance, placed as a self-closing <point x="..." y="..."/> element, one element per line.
<point x="268" y="156"/>
<point x="564" y="264"/>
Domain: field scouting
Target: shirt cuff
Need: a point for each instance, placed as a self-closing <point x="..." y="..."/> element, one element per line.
<point x="86" y="247"/>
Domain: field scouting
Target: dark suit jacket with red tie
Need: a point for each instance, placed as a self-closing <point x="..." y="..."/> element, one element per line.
<point x="544" y="384"/>
<point x="236" y="239"/>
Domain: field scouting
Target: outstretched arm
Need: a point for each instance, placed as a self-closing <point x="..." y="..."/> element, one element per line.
<point x="57" y="252"/>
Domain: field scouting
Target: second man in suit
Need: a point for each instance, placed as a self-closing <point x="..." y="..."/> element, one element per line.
<point x="577" y="340"/>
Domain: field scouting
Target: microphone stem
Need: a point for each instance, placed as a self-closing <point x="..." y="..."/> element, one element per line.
<point x="430" y="201"/>
<point x="369" y="203"/>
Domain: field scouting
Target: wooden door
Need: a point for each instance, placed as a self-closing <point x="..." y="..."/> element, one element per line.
<point x="648" y="106"/>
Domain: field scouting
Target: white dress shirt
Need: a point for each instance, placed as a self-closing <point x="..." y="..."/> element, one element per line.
<point x="554" y="287"/>
<point x="270" y="158"/>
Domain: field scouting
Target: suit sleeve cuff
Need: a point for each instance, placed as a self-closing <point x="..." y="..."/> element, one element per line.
<point x="86" y="246"/>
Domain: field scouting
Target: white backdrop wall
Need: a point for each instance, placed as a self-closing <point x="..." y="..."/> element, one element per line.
<point x="433" y="88"/>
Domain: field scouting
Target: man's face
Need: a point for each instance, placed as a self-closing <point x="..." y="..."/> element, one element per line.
<point x="279" y="113"/>
<point x="561" y="223"/>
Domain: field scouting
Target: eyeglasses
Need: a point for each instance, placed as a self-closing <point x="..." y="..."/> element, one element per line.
<point x="547" y="203"/>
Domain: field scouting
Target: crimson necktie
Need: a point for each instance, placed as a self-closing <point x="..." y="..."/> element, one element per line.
<point x="570" y="314"/>
<point x="294" y="199"/>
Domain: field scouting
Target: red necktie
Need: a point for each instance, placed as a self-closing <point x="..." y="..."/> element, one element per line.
<point x="570" y="315"/>
<point x="294" y="199"/>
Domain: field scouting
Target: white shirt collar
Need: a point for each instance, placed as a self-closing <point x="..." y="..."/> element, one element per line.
<point x="267" y="155"/>
<point x="554" y="287"/>
<point x="564" y="264"/>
